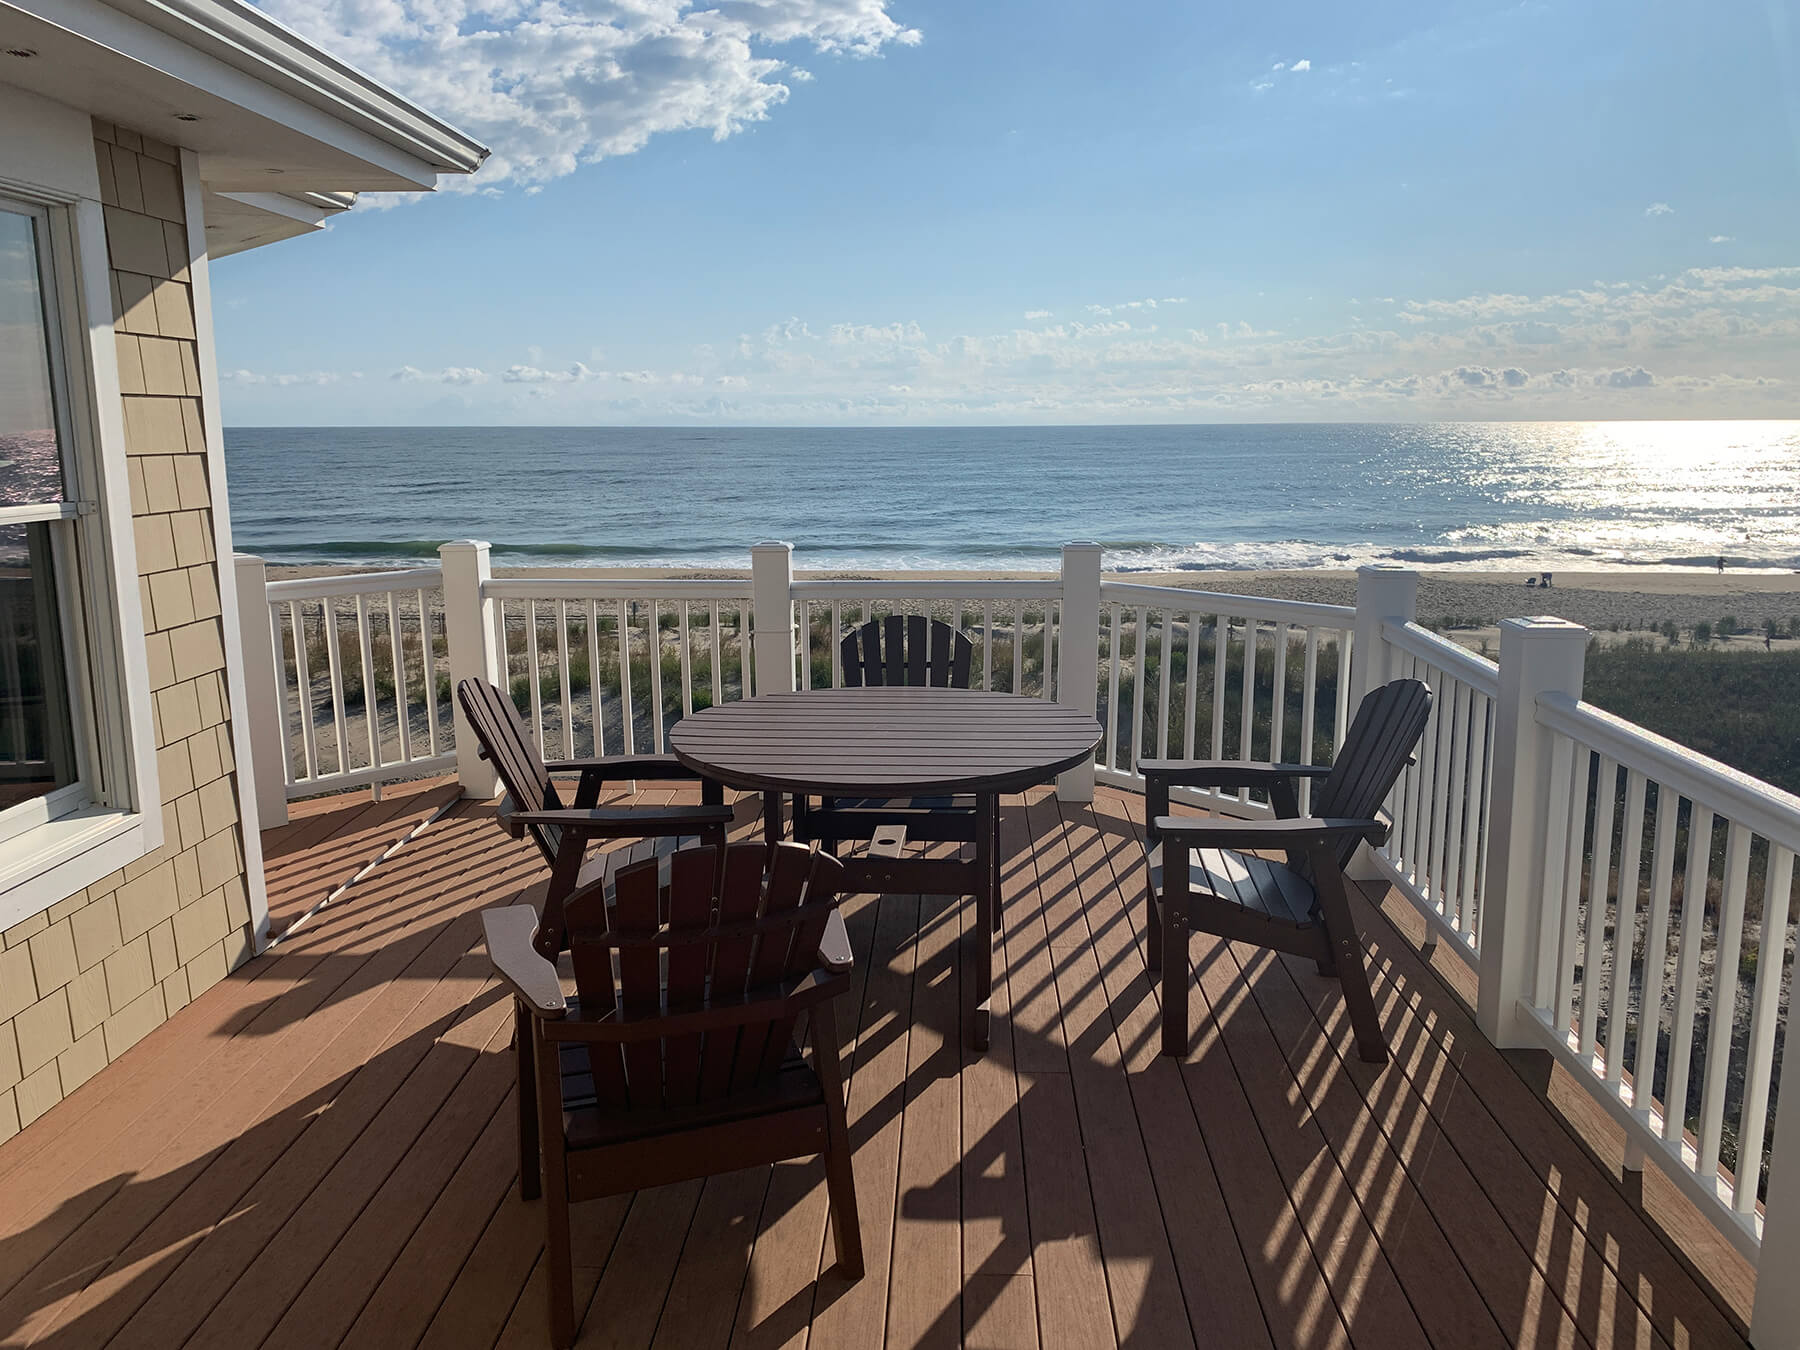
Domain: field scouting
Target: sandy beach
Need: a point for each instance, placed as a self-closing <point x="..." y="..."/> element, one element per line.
<point x="1635" y="601"/>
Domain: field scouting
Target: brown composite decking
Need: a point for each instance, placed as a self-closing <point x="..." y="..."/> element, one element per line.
<point x="319" y="1150"/>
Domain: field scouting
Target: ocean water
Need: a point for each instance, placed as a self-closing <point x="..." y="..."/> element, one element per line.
<point x="1514" y="496"/>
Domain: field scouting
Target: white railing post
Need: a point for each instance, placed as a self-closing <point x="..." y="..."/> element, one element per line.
<point x="1078" y="654"/>
<point x="1775" y="1314"/>
<point x="469" y="629"/>
<point x="772" y="616"/>
<point x="1385" y="593"/>
<point x="1537" y="656"/>
<point x="263" y="691"/>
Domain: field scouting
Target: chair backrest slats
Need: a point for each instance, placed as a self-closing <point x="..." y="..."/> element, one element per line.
<point x="757" y="953"/>
<point x="501" y="731"/>
<point x="1382" y="736"/>
<point x="906" y="649"/>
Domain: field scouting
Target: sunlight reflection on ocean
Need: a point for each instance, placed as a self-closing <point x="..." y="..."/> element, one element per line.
<point x="1499" y="495"/>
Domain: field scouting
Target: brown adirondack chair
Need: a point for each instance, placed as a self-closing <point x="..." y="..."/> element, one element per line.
<point x="1202" y="876"/>
<point x="643" y="1079"/>
<point x="902" y="649"/>
<point x="562" y="833"/>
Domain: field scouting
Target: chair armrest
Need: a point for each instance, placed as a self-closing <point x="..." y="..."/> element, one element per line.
<point x="615" y="1027"/>
<point x="625" y="766"/>
<point x="1298" y="834"/>
<point x="834" y="946"/>
<point x="533" y="979"/>
<point x="625" y="822"/>
<point x="1226" y="772"/>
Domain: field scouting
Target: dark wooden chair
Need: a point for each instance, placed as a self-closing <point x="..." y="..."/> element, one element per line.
<point x="562" y="833"/>
<point x="902" y="649"/>
<point x="643" y="1079"/>
<point x="1204" y="878"/>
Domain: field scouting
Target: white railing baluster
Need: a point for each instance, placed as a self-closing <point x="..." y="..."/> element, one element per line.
<point x="1162" y="691"/>
<point x="1765" y="1015"/>
<point x="1247" y="700"/>
<point x="1606" y="790"/>
<point x="1221" y="651"/>
<point x="279" y="648"/>
<point x="1437" y="791"/>
<point x="1341" y="724"/>
<point x="1114" y="661"/>
<point x="596" y="702"/>
<point x="1309" y="713"/>
<point x="1656" y="948"/>
<point x="1687" y="968"/>
<point x="1715" y="1073"/>
<point x="302" y="660"/>
<point x="1581" y="773"/>
<point x="837" y="638"/>
<point x="987" y="645"/>
<point x="654" y="631"/>
<point x="1189" y="695"/>
<point x="1456" y="788"/>
<point x="402" y="703"/>
<point x="803" y="639"/>
<point x="335" y="665"/>
<point x="718" y="657"/>
<point x="746" y="656"/>
<point x="1140" y="693"/>
<point x="627" y="725"/>
<point x="1475" y="809"/>
<point x="1278" y="696"/>
<point x="428" y="655"/>
<point x="1631" y="867"/>
<point x="1049" y="689"/>
<point x="1556" y="863"/>
<point x="532" y="673"/>
<point x="366" y="661"/>
<point x="1018" y="675"/>
<point x="687" y="659"/>
<point x="564" y="685"/>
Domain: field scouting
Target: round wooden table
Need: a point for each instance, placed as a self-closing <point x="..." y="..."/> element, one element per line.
<point x="896" y="742"/>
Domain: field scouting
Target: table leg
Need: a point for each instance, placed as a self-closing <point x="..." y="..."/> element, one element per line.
<point x="987" y="899"/>
<point x="772" y="834"/>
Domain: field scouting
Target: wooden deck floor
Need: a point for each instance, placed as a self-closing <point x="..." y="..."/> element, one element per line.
<point x="319" y="1151"/>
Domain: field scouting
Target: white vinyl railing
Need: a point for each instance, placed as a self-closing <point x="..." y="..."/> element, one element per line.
<point x="1557" y="845"/>
<point x="1203" y="675"/>
<point x="1436" y="854"/>
<point x="360" y="683"/>
<point x="607" y="667"/>
<point x="1013" y="625"/>
<point x="1660" y="964"/>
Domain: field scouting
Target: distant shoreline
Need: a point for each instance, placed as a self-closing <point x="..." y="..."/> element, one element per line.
<point x="1634" y="601"/>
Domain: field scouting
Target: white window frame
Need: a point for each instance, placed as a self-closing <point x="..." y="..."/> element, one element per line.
<point x="115" y="817"/>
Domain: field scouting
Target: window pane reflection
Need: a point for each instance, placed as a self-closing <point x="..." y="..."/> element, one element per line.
<point x="36" y="746"/>
<point x="30" y="459"/>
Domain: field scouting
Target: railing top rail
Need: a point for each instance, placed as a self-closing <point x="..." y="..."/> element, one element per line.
<point x="1451" y="657"/>
<point x="1221" y="602"/>
<point x="614" y="588"/>
<point x="1761" y="807"/>
<point x="359" y="583"/>
<point x="924" y="589"/>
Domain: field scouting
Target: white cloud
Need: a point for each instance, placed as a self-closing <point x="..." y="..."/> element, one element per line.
<point x="1659" y="209"/>
<point x="1032" y="315"/>
<point x="283" y="381"/>
<point x="575" y="374"/>
<point x="448" y="375"/>
<point x="1721" y="239"/>
<point x="1301" y="65"/>
<point x="554" y="84"/>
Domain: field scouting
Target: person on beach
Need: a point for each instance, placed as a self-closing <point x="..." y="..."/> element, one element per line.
<point x="1721" y="562"/>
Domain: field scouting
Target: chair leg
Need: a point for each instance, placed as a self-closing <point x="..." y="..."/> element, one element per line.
<point x="530" y="1179"/>
<point x="559" y="1282"/>
<point x="1347" y="955"/>
<point x="1174" y="981"/>
<point x="1153" y="935"/>
<point x="840" y="1171"/>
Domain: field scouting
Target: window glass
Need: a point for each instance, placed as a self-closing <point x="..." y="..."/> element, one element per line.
<point x="30" y="457"/>
<point x="36" y="745"/>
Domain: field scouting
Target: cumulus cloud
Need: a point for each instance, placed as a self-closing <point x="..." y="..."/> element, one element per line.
<point x="554" y="84"/>
<point x="1721" y="239"/>
<point x="1634" y="378"/>
<point x="287" y="380"/>
<point x="1659" y="209"/>
<point x="448" y="375"/>
<point x="1301" y="65"/>
<point x="532" y="375"/>
<point x="1032" y="315"/>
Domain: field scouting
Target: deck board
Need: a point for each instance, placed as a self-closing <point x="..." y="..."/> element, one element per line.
<point x="320" y="1150"/>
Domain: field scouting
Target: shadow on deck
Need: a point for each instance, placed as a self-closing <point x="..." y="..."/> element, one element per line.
<point x="319" y="1151"/>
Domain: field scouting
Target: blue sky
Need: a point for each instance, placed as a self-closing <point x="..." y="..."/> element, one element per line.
<point x="901" y="211"/>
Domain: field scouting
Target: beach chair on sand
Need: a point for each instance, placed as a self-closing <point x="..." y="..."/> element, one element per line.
<point x="1203" y="876"/>
<point x="902" y="649"/>
<point x="644" y="1079"/>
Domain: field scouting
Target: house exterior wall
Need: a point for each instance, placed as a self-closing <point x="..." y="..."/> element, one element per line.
<point x="84" y="980"/>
